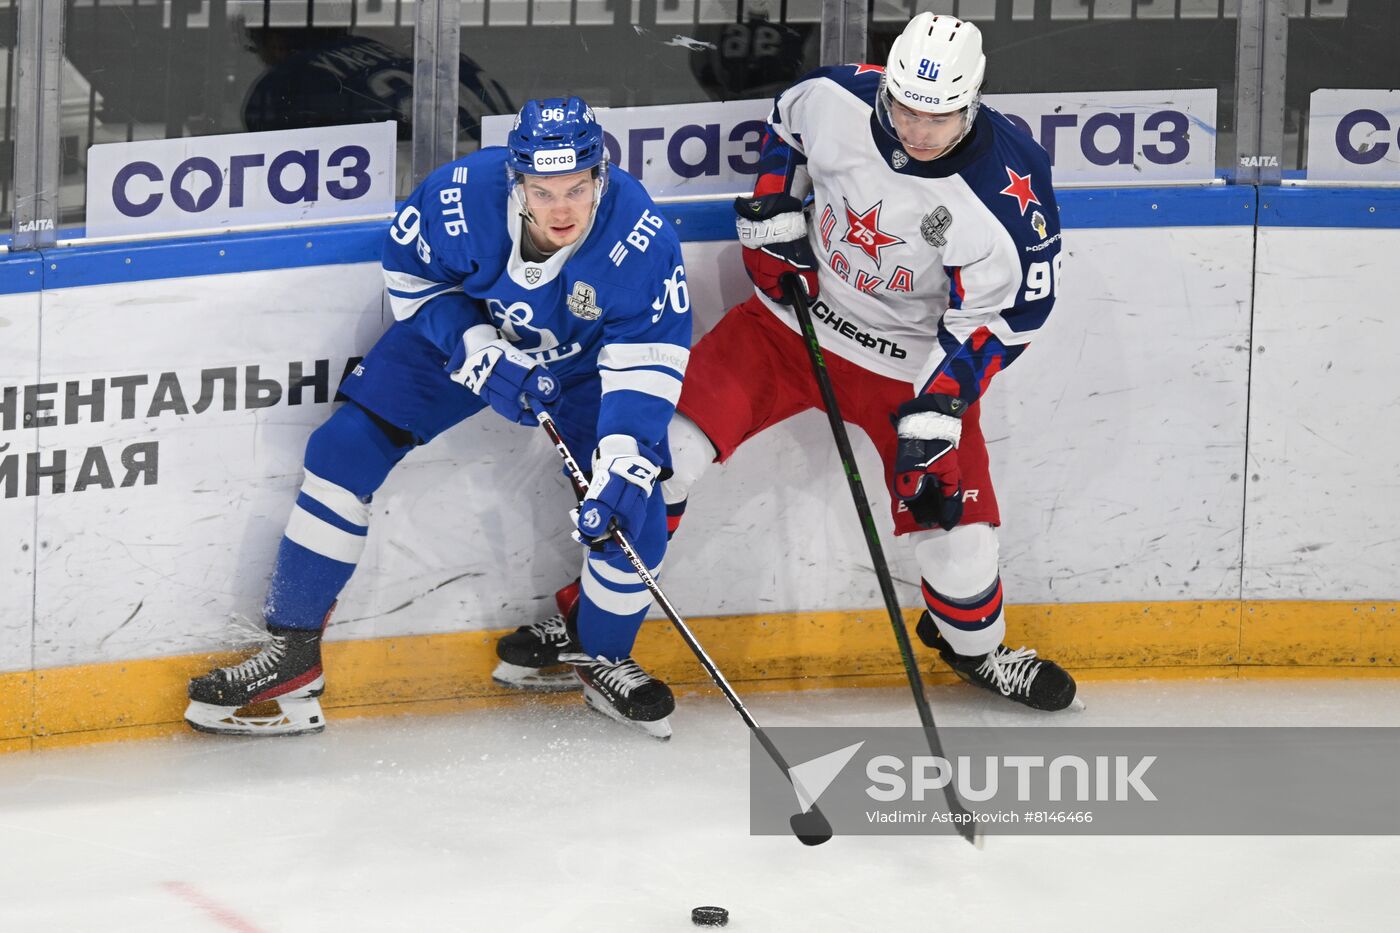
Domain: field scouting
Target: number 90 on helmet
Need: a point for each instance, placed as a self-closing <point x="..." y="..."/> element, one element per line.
<point x="555" y="136"/>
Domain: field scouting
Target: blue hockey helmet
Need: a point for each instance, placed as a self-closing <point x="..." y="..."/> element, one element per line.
<point x="555" y="136"/>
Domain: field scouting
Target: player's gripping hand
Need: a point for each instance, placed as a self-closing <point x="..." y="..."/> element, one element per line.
<point x="508" y="380"/>
<point x="773" y="232"/>
<point x="623" y="477"/>
<point x="927" y="478"/>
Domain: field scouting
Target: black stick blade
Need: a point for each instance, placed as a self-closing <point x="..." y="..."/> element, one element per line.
<point x="810" y="828"/>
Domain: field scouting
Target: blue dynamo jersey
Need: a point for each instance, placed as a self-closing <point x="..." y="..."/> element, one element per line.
<point x="613" y="307"/>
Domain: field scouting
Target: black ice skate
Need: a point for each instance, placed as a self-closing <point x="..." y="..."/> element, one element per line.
<point x="530" y="655"/>
<point x="625" y="692"/>
<point x="284" y="678"/>
<point x="1017" y="675"/>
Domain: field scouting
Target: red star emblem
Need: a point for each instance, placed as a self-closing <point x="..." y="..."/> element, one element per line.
<point x="1020" y="189"/>
<point x="863" y="232"/>
<point x="862" y="69"/>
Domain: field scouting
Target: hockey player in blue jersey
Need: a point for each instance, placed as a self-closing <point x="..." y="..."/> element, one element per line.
<point x="925" y="230"/>
<point x="519" y="277"/>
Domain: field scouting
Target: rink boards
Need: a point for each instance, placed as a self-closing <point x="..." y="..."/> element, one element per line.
<point x="1194" y="462"/>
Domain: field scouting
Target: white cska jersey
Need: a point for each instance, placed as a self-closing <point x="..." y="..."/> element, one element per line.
<point x="937" y="273"/>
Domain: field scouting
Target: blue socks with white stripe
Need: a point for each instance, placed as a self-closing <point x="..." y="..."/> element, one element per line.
<point x="347" y="459"/>
<point x="613" y="601"/>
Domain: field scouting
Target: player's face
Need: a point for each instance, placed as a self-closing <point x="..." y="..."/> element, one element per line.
<point x="926" y="136"/>
<point x="560" y="206"/>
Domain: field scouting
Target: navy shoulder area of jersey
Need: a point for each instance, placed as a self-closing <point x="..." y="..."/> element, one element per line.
<point x="1012" y="177"/>
<point x="1016" y="145"/>
<point x="860" y="81"/>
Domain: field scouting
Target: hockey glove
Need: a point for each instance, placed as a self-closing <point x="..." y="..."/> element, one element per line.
<point x="927" y="478"/>
<point x="773" y="232"/>
<point x="506" y="379"/>
<point x="623" y="476"/>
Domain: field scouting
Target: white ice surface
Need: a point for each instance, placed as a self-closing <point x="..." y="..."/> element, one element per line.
<point x="543" y="816"/>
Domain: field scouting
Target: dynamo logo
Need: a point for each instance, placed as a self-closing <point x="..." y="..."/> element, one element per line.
<point x="928" y="69"/>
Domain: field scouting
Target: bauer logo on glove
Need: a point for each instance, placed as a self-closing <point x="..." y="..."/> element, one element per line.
<point x="773" y="231"/>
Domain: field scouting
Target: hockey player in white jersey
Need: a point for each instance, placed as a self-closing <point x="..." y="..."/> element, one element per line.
<point x="525" y="276"/>
<point x="925" y="231"/>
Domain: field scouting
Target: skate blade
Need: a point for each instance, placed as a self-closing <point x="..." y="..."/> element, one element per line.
<point x="658" y="729"/>
<point x="300" y="716"/>
<point x="1076" y="704"/>
<point x="535" y="680"/>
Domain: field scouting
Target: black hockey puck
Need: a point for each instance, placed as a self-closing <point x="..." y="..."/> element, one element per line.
<point x="709" y="916"/>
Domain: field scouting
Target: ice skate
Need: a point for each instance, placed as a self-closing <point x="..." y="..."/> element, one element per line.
<point x="271" y="693"/>
<point x="530" y="655"/>
<point x="628" y="694"/>
<point x="1021" y="675"/>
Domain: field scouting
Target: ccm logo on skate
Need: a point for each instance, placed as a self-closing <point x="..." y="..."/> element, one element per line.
<point x="258" y="684"/>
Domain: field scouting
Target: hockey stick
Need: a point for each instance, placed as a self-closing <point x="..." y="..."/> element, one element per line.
<point x="810" y="826"/>
<point x="792" y="288"/>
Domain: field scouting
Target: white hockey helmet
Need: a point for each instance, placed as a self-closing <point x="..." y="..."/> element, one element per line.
<point x="936" y="64"/>
<point x="935" y="68"/>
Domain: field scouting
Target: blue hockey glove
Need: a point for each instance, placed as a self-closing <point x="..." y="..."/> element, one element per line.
<point x="927" y="478"/>
<point x="506" y="379"/>
<point x="623" y="476"/>
<point x="773" y="232"/>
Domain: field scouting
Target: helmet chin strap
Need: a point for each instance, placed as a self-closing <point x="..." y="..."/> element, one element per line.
<point x="518" y="193"/>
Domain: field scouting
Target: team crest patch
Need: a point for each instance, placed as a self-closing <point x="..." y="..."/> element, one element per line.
<point x="532" y="274"/>
<point x="899" y="159"/>
<point x="1038" y="222"/>
<point x="935" y="225"/>
<point x="584" y="302"/>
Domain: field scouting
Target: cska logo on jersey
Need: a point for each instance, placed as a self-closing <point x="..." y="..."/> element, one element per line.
<point x="863" y="231"/>
<point x="1020" y="189"/>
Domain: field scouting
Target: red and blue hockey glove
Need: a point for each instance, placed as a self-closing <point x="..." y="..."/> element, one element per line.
<point x="773" y="232"/>
<point x="506" y="379"/>
<point x="927" y="478"/>
<point x="623" y="477"/>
